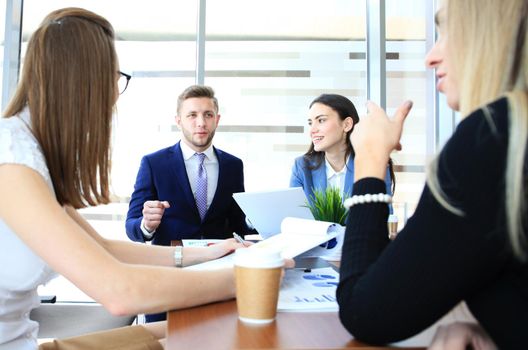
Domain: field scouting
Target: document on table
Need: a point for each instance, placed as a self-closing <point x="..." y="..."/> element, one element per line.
<point x="299" y="235"/>
<point x="199" y="242"/>
<point x="221" y="263"/>
<point x="309" y="291"/>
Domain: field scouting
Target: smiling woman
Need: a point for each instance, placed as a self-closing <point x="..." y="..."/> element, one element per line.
<point x="329" y="161"/>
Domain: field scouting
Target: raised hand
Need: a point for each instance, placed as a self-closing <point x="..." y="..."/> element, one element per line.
<point x="375" y="137"/>
<point x="153" y="212"/>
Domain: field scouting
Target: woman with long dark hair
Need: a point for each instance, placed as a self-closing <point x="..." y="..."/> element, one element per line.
<point x="330" y="159"/>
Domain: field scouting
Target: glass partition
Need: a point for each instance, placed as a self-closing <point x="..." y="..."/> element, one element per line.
<point x="156" y="45"/>
<point x="2" y="44"/>
<point x="406" y="79"/>
<point x="267" y="62"/>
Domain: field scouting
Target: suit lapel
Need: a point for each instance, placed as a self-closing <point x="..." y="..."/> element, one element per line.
<point x="180" y="175"/>
<point x="221" y="180"/>
<point x="319" y="177"/>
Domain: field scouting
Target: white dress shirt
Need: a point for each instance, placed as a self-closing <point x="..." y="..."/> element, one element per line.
<point x="334" y="178"/>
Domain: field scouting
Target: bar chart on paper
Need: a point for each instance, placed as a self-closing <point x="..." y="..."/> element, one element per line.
<point x="309" y="290"/>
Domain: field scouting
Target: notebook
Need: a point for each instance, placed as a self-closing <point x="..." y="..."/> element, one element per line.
<point x="266" y="209"/>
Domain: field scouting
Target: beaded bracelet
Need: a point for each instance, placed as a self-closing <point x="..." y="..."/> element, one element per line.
<point x="367" y="198"/>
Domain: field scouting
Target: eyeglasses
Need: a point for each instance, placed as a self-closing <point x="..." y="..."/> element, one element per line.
<point x="122" y="83"/>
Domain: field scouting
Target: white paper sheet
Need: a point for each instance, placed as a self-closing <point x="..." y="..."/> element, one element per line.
<point x="299" y="235"/>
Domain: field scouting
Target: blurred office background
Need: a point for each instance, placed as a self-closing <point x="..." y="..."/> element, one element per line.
<point x="267" y="60"/>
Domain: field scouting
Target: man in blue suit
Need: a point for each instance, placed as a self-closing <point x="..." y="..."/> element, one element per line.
<point x="185" y="191"/>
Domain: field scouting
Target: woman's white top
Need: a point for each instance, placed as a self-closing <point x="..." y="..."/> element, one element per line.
<point x="21" y="271"/>
<point x="334" y="178"/>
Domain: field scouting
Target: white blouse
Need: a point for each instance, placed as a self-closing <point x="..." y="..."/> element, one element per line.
<point x="334" y="178"/>
<point x="21" y="271"/>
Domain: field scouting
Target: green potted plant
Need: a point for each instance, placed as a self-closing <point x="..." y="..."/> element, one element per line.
<point x="328" y="206"/>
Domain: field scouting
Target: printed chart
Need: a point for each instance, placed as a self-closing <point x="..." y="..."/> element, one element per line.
<point x="309" y="291"/>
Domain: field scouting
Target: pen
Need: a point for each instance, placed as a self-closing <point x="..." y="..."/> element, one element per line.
<point x="239" y="239"/>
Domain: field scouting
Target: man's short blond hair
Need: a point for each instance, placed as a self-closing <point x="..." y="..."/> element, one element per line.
<point x="197" y="91"/>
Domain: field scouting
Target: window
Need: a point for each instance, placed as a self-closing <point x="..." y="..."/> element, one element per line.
<point x="406" y="79"/>
<point x="2" y="28"/>
<point x="158" y="50"/>
<point x="267" y="61"/>
<point x="268" y="64"/>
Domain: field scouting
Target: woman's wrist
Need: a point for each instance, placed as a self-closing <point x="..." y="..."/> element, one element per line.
<point x="369" y="167"/>
<point x="194" y="255"/>
<point x="211" y="253"/>
<point x="178" y="256"/>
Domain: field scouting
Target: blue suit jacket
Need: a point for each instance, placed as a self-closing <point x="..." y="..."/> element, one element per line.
<point x="316" y="179"/>
<point x="162" y="176"/>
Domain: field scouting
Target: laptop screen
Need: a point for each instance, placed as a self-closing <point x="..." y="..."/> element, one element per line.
<point x="266" y="209"/>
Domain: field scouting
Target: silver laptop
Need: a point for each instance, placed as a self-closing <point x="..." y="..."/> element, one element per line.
<point x="266" y="209"/>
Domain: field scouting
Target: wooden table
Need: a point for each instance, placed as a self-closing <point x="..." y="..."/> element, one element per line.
<point x="216" y="326"/>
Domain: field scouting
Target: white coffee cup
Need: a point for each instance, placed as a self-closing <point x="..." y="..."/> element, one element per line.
<point x="257" y="273"/>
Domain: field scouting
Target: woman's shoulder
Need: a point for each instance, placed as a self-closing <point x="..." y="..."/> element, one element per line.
<point x="479" y="143"/>
<point x="19" y="146"/>
<point x="306" y="162"/>
<point x="15" y="138"/>
<point x="490" y="120"/>
<point x="301" y="159"/>
<point x="298" y="162"/>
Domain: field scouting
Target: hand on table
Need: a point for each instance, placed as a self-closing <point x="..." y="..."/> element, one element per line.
<point x="224" y="247"/>
<point x="460" y="336"/>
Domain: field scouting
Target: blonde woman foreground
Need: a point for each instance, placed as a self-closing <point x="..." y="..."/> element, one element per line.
<point x="467" y="238"/>
<point x="54" y="158"/>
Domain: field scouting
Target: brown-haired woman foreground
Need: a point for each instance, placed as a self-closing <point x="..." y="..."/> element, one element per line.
<point x="467" y="238"/>
<point x="54" y="158"/>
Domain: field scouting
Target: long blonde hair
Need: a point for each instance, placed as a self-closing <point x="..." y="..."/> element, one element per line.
<point x="488" y="46"/>
<point x="69" y="84"/>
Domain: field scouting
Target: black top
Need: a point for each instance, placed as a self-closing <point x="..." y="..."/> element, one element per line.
<point x="390" y="291"/>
